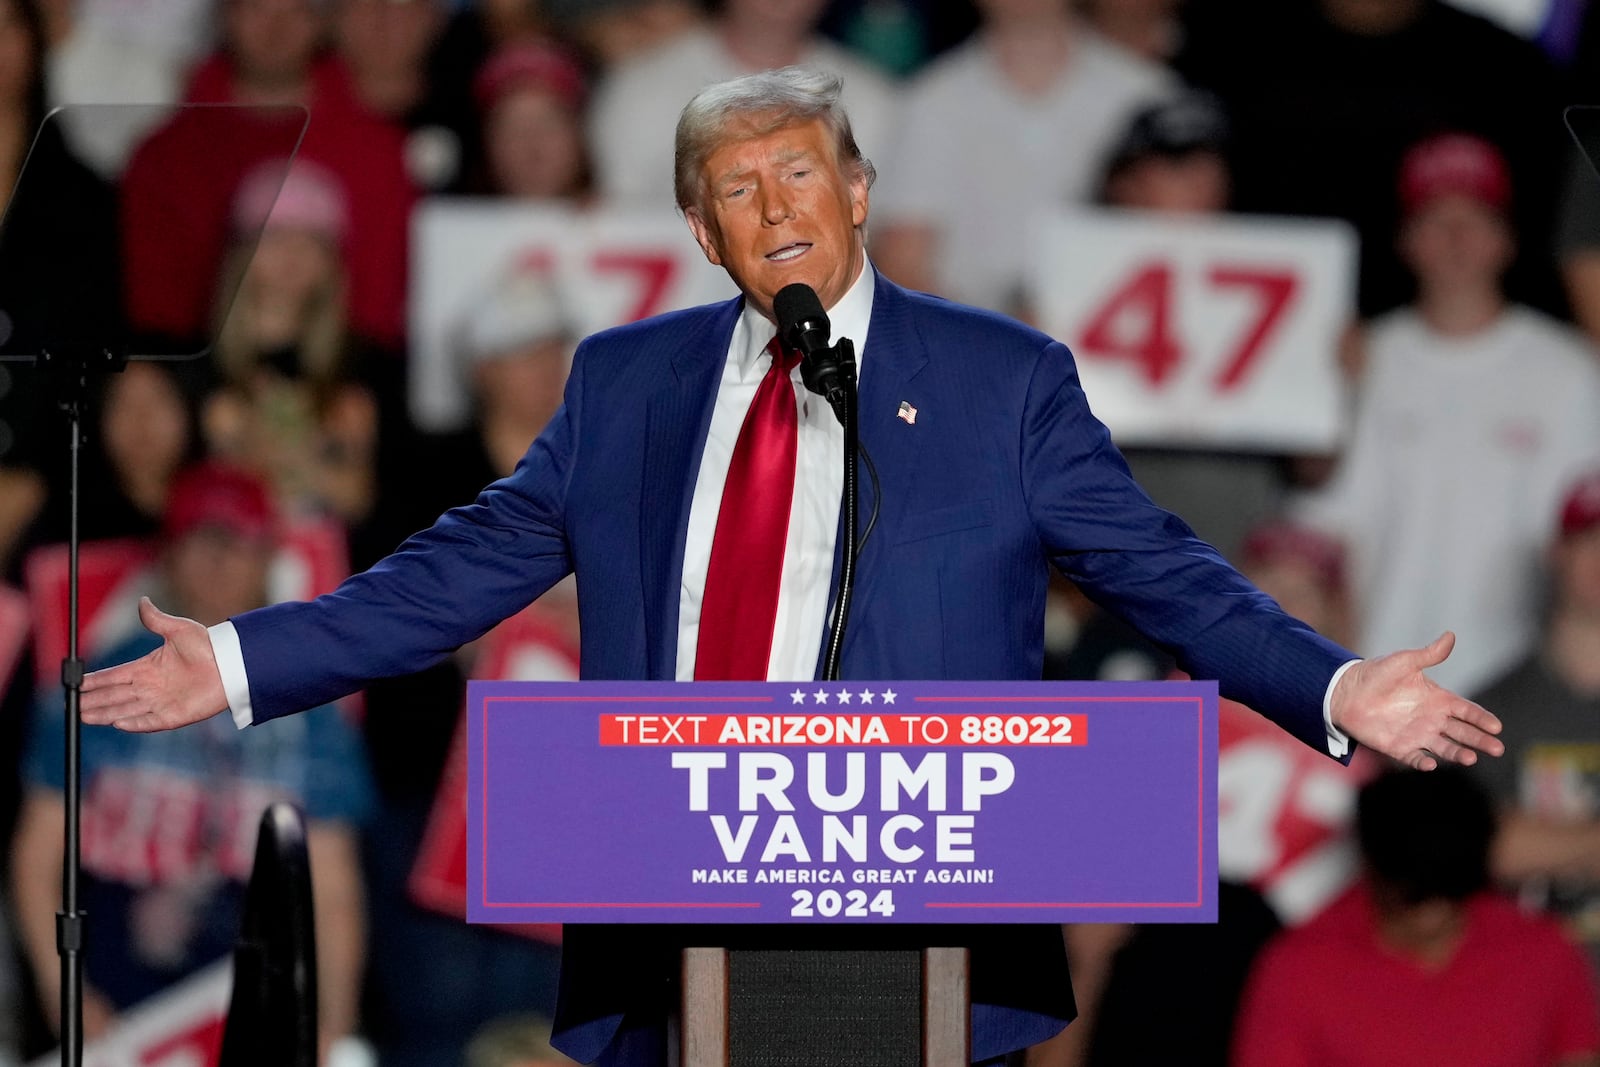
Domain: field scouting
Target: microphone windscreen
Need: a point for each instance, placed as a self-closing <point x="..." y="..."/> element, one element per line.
<point x="798" y="304"/>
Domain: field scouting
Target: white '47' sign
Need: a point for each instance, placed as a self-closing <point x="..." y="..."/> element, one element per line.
<point x="1219" y="332"/>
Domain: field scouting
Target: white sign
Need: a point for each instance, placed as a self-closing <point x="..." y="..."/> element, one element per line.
<point x="1202" y="332"/>
<point x="610" y="267"/>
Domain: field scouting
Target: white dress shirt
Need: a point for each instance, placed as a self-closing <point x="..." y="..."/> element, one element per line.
<point x="813" y="513"/>
<point x="818" y="487"/>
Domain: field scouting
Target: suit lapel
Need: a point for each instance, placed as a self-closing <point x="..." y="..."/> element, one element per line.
<point x="677" y="419"/>
<point x="895" y="357"/>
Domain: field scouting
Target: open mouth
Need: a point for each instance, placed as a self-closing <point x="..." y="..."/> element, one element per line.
<point x="788" y="252"/>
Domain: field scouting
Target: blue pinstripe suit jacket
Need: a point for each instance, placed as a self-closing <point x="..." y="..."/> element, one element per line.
<point x="1004" y="472"/>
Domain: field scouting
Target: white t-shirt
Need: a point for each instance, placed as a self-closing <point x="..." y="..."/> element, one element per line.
<point x="634" y="115"/>
<point x="978" y="160"/>
<point x="1450" y="488"/>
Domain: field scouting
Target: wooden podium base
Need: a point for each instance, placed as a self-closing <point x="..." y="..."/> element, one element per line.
<point x="825" y="1008"/>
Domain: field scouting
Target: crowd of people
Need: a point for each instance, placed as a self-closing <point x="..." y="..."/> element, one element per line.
<point x="1466" y="495"/>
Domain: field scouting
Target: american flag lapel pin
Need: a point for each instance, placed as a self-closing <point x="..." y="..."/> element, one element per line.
<point x="907" y="414"/>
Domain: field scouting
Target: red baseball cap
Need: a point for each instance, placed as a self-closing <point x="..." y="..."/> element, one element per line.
<point x="530" y="64"/>
<point x="1454" y="163"/>
<point x="1581" y="512"/>
<point x="220" y="496"/>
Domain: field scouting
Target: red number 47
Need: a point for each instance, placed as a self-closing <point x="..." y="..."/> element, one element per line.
<point x="1135" y="322"/>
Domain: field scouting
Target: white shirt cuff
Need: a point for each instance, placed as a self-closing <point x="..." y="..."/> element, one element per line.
<point x="235" y="684"/>
<point x="1338" y="740"/>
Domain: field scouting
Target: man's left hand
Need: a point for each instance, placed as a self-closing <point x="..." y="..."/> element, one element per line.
<point x="1389" y="705"/>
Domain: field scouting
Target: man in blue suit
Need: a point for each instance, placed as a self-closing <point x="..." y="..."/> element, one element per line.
<point x="991" y="467"/>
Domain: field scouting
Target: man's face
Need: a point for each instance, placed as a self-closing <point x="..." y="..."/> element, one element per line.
<point x="1454" y="241"/>
<point x="1577" y="572"/>
<point x="387" y="35"/>
<point x="525" y="384"/>
<point x="216" y="573"/>
<point x="273" y="40"/>
<point x="1195" y="183"/>
<point x="778" y="208"/>
<point x="535" y="145"/>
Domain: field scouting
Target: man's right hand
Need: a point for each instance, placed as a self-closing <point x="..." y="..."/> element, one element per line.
<point x="173" y="686"/>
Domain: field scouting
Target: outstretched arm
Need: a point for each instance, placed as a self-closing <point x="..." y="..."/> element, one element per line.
<point x="444" y="587"/>
<point x="173" y="686"/>
<point x="1389" y="705"/>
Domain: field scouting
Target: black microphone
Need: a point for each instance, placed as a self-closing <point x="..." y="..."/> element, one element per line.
<point x="803" y="326"/>
<point x="802" y="323"/>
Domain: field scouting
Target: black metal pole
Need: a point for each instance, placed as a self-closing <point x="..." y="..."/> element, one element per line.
<point x="69" y="920"/>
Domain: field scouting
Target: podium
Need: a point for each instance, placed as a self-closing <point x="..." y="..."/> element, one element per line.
<point x="866" y="851"/>
<point x="914" y="1011"/>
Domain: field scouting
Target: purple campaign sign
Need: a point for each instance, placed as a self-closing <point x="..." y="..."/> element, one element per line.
<point x="767" y="802"/>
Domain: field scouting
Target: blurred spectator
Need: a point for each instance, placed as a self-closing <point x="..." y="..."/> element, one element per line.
<point x="169" y="820"/>
<point x="1150" y="28"/>
<point x="472" y="32"/>
<point x="1284" y="814"/>
<point x="477" y="29"/>
<point x="1326" y="95"/>
<point x="1018" y="119"/>
<point x="288" y="406"/>
<point x="178" y="190"/>
<point x="137" y="51"/>
<point x="636" y="106"/>
<point x="387" y="46"/>
<point x="147" y="432"/>
<point x="1548" y="782"/>
<point x="515" y="345"/>
<point x="531" y="96"/>
<point x="514" y="348"/>
<point x="900" y="35"/>
<point x="1473" y="418"/>
<point x="1411" y="964"/>
<point x="58" y="270"/>
<point x="1303" y="570"/>
<point x="1171" y="158"/>
<point x="615" y="31"/>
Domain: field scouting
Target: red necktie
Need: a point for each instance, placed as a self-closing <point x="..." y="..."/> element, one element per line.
<point x="740" y="603"/>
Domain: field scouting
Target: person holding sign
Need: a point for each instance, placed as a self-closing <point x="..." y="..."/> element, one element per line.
<point x="645" y="484"/>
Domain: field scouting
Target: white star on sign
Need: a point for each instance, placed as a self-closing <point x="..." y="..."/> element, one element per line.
<point x="866" y="696"/>
<point x="822" y="697"/>
<point x="844" y="696"/>
<point x="797" y="697"/>
<point x="888" y="696"/>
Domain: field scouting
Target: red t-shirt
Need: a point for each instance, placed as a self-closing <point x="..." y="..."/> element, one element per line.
<point x="178" y="191"/>
<point x="1516" y="993"/>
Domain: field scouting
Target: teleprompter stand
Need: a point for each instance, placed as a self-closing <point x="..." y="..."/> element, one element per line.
<point x="60" y="310"/>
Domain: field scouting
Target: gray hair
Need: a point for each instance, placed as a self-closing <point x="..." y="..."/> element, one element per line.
<point x="760" y="103"/>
